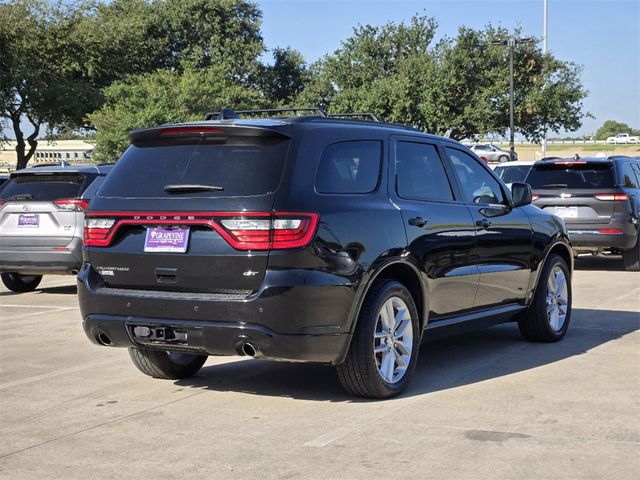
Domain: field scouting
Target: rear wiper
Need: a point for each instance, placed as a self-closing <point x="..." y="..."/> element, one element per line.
<point x="557" y="185"/>
<point x="189" y="187"/>
<point x="21" y="196"/>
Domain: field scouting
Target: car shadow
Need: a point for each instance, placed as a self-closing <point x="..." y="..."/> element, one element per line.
<point x="443" y="364"/>
<point x="610" y="263"/>
<point x="63" y="289"/>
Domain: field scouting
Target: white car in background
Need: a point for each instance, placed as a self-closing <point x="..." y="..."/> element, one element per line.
<point x="511" y="172"/>
<point x="623" y="138"/>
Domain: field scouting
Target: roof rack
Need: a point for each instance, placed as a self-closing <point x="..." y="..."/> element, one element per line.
<point x="364" y="116"/>
<point x="226" y="113"/>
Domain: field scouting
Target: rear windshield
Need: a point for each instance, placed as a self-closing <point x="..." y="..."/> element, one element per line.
<point x="229" y="170"/>
<point x="44" y="187"/>
<point x="583" y="175"/>
<point x="513" y="174"/>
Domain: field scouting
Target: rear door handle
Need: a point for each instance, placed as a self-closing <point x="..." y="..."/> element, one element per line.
<point x="417" y="221"/>
<point x="484" y="223"/>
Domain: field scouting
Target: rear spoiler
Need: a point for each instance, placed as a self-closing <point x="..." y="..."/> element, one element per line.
<point x="190" y="131"/>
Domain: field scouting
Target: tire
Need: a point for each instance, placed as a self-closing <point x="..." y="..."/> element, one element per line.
<point x="372" y="368"/>
<point x="631" y="257"/>
<point x="165" y="364"/>
<point x="503" y="158"/>
<point x="21" y="283"/>
<point x="543" y="321"/>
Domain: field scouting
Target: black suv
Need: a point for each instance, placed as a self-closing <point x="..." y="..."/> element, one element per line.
<point x="598" y="198"/>
<point x="312" y="239"/>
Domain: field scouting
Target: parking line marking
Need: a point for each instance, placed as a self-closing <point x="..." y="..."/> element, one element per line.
<point x="50" y="310"/>
<point x="16" y="305"/>
<point x="56" y="373"/>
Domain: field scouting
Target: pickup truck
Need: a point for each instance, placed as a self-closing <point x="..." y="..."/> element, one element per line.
<point x="623" y="138"/>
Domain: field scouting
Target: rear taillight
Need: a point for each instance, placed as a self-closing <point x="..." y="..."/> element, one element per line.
<point x="97" y="231"/>
<point x="72" y="204"/>
<point x="2" y="202"/>
<point x="610" y="231"/>
<point x="190" y="131"/>
<point x="534" y="197"/>
<point x="612" y="197"/>
<point x="243" y="231"/>
<point x="280" y="231"/>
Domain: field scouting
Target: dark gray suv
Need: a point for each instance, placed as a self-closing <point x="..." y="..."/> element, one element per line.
<point x="42" y="221"/>
<point x="599" y="200"/>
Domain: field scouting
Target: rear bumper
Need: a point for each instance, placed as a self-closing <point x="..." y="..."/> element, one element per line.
<point x="42" y="260"/>
<point x="217" y="338"/>
<point x="591" y="237"/>
<point x="304" y="320"/>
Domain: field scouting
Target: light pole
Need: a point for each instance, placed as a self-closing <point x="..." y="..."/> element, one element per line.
<point x="511" y="42"/>
<point x="544" y="51"/>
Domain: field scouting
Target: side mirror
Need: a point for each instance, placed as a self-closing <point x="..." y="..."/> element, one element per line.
<point x="521" y="194"/>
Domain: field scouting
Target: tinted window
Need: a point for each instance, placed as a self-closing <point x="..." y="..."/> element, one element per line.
<point x="239" y="170"/>
<point x="571" y="175"/>
<point x="478" y="186"/>
<point x="512" y="174"/>
<point x="44" y="187"/>
<point x="349" y="167"/>
<point x="420" y="174"/>
<point x="629" y="179"/>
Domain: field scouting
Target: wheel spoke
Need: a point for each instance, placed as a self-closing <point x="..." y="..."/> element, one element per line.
<point x="399" y="359"/>
<point x="402" y="348"/>
<point x="560" y="282"/>
<point x="401" y="327"/>
<point x="390" y="316"/>
<point x="551" y="284"/>
<point x="383" y="347"/>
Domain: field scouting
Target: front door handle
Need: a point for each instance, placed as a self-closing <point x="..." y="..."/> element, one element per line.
<point x="417" y="221"/>
<point x="484" y="223"/>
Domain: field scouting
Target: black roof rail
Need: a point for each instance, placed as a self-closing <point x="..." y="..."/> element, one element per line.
<point x="366" y="116"/>
<point x="226" y="113"/>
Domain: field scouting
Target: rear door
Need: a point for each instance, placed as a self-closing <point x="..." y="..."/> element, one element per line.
<point x="42" y="209"/>
<point x="191" y="212"/>
<point x="580" y="192"/>
<point x="439" y="229"/>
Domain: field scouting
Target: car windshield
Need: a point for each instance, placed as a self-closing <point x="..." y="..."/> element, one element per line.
<point x="571" y="175"/>
<point x="43" y="187"/>
<point x="513" y="173"/>
<point x="196" y="170"/>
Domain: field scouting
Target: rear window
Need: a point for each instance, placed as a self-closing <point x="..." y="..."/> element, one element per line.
<point x="44" y="187"/>
<point x="577" y="175"/>
<point x="350" y="167"/>
<point x="513" y="174"/>
<point x="234" y="170"/>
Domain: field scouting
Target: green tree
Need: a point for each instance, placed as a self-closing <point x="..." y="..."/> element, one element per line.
<point x="56" y="58"/>
<point x="160" y="97"/>
<point x="283" y="80"/>
<point x="43" y="80"/>
<point x="611" y="128"/>
<point x="458" y="84"/>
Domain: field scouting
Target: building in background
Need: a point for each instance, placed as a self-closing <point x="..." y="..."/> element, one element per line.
<point x="72" y="151"/>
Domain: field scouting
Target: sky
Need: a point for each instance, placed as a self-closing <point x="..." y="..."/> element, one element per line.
<point x="601" y="35"/>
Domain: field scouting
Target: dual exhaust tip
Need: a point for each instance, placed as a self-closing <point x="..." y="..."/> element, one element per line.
<point x="246" y="348"/>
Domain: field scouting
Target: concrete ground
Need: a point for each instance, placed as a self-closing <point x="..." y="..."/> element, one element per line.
<point x="482" y="405"/>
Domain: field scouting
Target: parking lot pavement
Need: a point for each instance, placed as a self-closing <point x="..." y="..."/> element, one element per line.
<point x="482" y="405"/>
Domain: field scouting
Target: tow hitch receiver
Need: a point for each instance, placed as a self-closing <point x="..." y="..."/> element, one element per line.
<point x="153" y="334"/>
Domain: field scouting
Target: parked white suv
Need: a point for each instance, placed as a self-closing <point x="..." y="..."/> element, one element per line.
<point x="623" y="138"/>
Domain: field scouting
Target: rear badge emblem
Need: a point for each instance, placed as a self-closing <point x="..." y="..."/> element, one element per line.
<point x="249" y="273"/>
<point x="26" y="208"/>
<point x="565" y="195"/>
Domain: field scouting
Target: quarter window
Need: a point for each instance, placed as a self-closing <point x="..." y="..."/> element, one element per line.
<point x="628" y="177"/>
<point x="477" y="185"/>
<point x="420" y="174"/>
<point x="350" y="167"/>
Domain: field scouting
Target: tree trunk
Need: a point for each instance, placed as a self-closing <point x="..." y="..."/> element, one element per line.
<point x="23" y="154"/>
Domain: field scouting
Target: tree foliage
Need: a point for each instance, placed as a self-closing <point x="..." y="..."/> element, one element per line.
<point x="43" y="77"/>
<point x="611" y="128"/>
<point x="458" y="84"/>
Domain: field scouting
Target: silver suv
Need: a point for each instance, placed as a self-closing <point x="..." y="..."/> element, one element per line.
<point x="492" y="153"/>
<point x="42" y="222"/>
